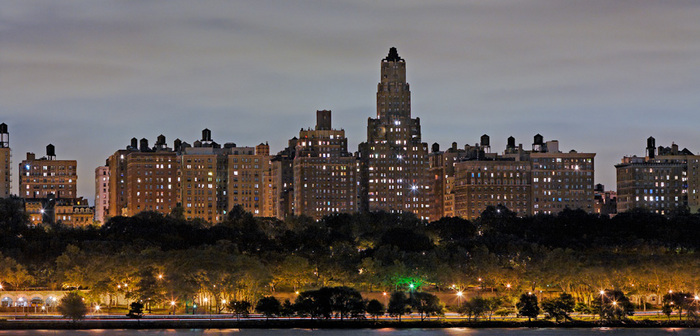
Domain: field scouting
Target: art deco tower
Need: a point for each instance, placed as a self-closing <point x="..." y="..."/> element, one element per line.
<point x="394" y="160"/>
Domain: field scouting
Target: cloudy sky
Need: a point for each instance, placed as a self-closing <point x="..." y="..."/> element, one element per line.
<point x="597" y="75"/>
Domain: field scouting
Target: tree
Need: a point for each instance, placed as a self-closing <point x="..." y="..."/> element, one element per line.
<point x="426" y="304"/>
<point x="287" y="308"/>
<point x="475" y="307"/>
<point x="17" y="275"/>
<point x="239" y="308"/>
<point x="375" y="308"/>
<point x="678" y="300"/>
<point x="613" y="305"/>
<point x="559" y="307"/>
<point x="398" y="305"/>
<point x="527" y="306"/>
<point x="72" y="306"/>
<point x="268" y="306"/>
<point x="135" y="310"/>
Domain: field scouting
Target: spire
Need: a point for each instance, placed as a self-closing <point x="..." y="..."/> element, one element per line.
<point x="393" y="56"/>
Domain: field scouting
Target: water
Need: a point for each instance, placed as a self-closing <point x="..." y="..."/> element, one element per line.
<point x="364" y="332"/>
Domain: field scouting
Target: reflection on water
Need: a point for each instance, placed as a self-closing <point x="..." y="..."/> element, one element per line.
<point x="362" y="332"/>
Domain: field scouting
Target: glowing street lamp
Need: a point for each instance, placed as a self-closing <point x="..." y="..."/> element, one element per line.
<point x="172" y="304"/>
<point x="97" y="309"/>
<point x="459" y="298"/>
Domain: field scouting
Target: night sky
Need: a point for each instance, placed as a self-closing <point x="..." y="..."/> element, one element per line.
<point x="599" y="76"/>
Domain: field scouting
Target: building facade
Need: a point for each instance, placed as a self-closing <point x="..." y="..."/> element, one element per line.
<point x="394" y="160"/>
<point x="5" y="162"/>
<point x="666" y="179"/>
<point x="39" y="178"/>
<point x="325" y="173"/>
<point x="541" y="181"/>
<point x="101" y="194"/>
<point x="143" y="179"/>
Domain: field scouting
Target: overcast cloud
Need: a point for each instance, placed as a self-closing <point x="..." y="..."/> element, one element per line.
<point x="599" y="76"/>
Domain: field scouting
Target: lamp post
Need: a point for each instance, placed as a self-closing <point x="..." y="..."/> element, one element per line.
<point x="172" y="304"/>
<point x="459" y="298"/>
<point x="206" y="304"/>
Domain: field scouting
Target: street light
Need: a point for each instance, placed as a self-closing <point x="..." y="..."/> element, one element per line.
<point x="172" y="304"/>
<point x="459" y="298"/>
<point x="97" y="308"/>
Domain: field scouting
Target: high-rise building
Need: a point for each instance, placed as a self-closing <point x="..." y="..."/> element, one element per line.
<point x="325" y="173"/>
<point x="46" y="176"/>
<point x="666" y="179"/>
<point x="248" y="171"/>
<point x="543" y="180"/>
<point x="101" y="194"/>
<point x="5" y="162"/>
<point x="442" y="173"/>
<point x="143" y="179"/>
<point x="202" y="177"/>
<point x="560" y="180"/>
<point x="394" y="160"/>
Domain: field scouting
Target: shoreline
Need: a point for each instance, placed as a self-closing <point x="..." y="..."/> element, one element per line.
<point x="327" y="324"/>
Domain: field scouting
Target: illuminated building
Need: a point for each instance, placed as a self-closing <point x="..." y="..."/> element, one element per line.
<point x="202" y="176"/>
<point x="605" y="201"/>
<point x="74" y="212"/>
<point x="38" y="178"/>
<point x="205" y="179"/>
<point x="325" y="173"/>
<point x="666" y="179"/>
<point x="442" y="177"/>
<point x="541" y="181"/>
<point x="248" y="169"/>
<point x="101" y="194"/>
<point x="560" y="180"/>
<point x="394" y="160"/>
<point x="143" y="179"/>
<point x="5" y="162"/>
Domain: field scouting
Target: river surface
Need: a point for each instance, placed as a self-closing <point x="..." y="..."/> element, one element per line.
<point x="364" y="332"/>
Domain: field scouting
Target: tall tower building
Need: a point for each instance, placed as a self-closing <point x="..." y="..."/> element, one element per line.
<point x="394" y="161"/>
<point x="325" y="173"/>
<point x="5" y="162"/>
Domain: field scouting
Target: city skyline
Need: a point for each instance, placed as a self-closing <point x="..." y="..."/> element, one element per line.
<point x="597" y="76"/>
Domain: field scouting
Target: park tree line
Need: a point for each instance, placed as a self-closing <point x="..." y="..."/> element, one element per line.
<point x="159" y="258"/>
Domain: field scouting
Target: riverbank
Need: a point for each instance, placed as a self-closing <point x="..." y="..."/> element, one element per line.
<point x="325" y="324"/>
